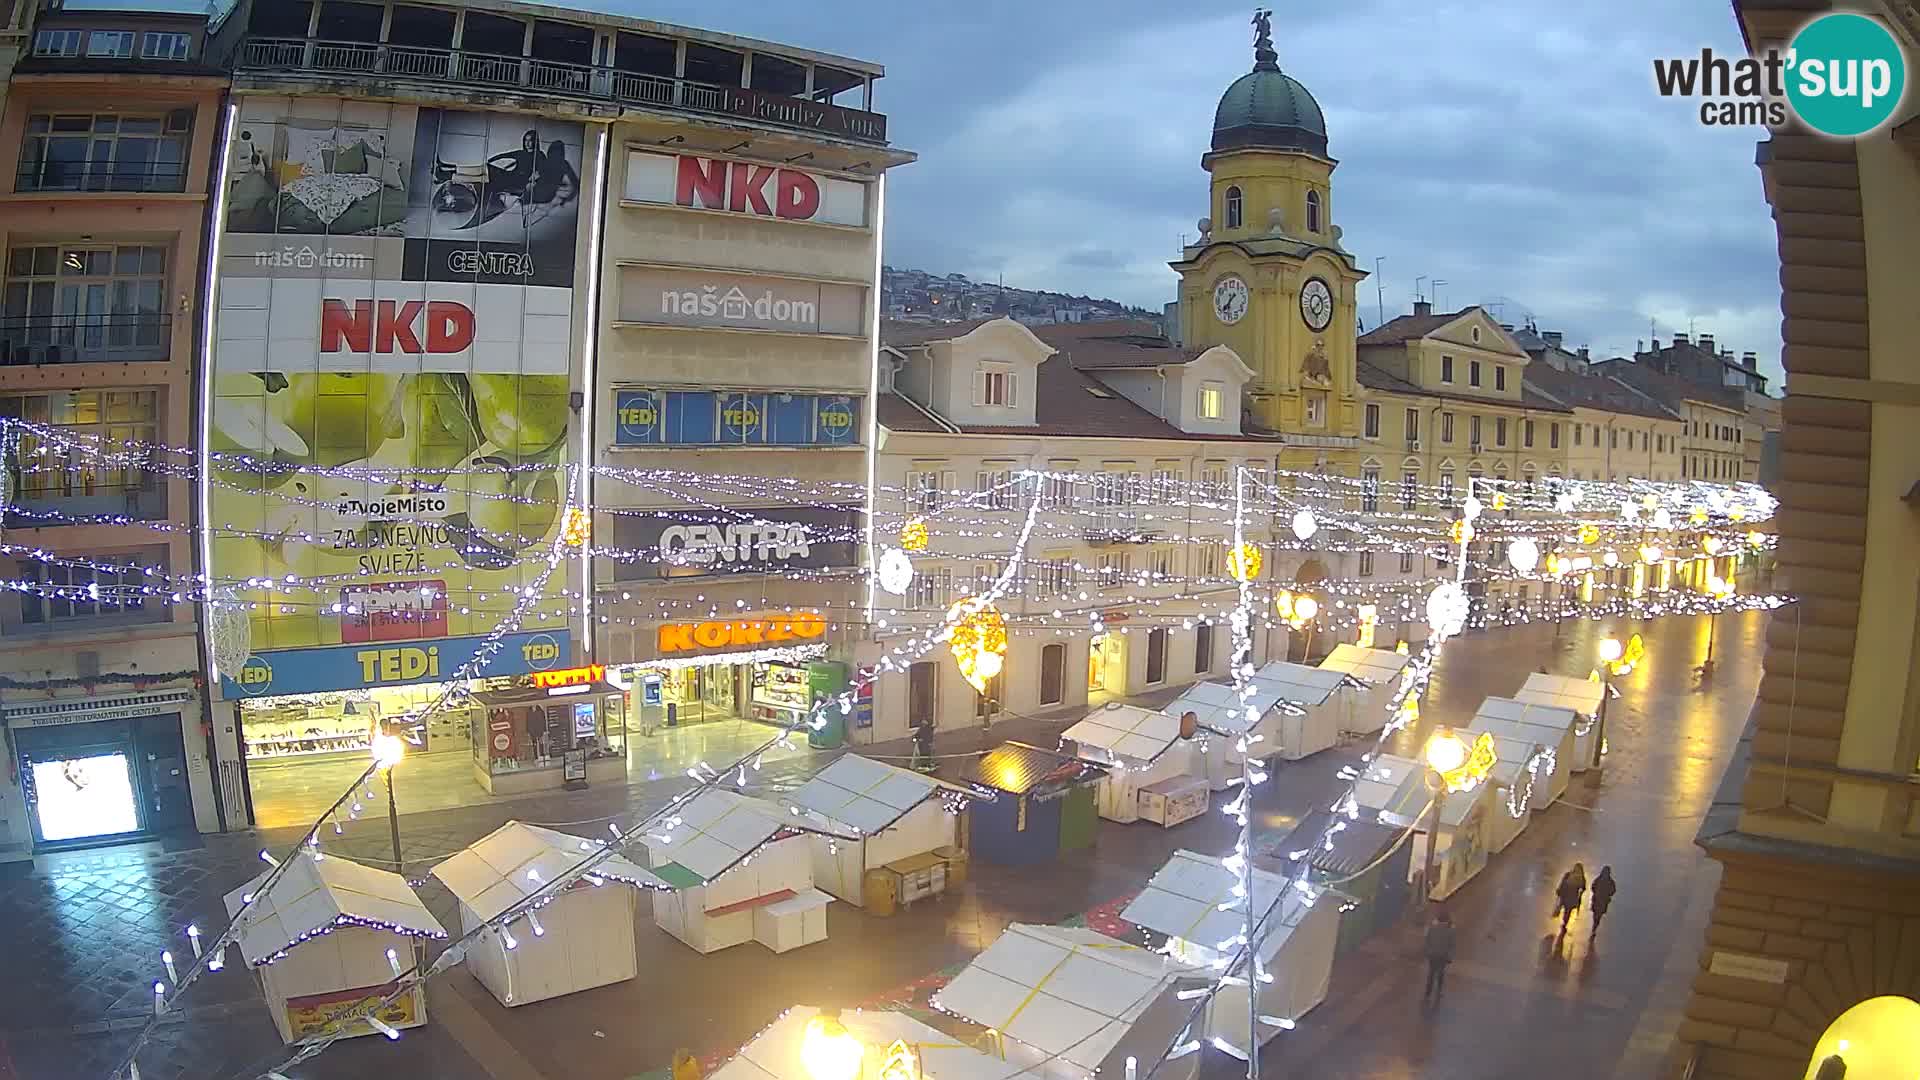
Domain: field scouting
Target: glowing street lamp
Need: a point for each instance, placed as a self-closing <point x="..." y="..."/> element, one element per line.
<point x="1610" y="653"/>
<point x="1444" y="753"/>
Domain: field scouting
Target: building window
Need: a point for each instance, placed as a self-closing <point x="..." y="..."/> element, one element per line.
<point x="105" y="152"/>
<point x="1406" y="562"/>
<point x="1115" y="566"/>
<point x="993" y="489"/>
<point x="1203" y="648"/>
<point x="99" y="588"/>
<point x="1499" y="377"/>
<point x="931" y="589"/>
<point x="57" y="43"/>
<point x="1234" y="208"/>
<point x="1613" y="439"/>
<point x="1373" y="421"/>
<point x="926" y="490"/>
<point x="112" y="44"/>
<point x="1526" y="433"/>
<point x="1156" y="656"/>
<point x="155" y="46"/>
<point x="1446" y="427"/>
<point x="76" y="483"/>
<point x="65" y="304"/>
<point x="1212" y="401"/>
<point x="993" y="386"/>
<point x="1313" y="211"/>
<point x="1206" y="562"/>
<point x="1316" y="409"/>
<point x="1579" y="431"/>
<point x="1409" y="489"/>
<point x="1413" y="426"/>
<point x="1160" y="562"/>
<point x="1370" y="489"/>
<point x="1476" y="335"/>
<point x="1053" y="674"/>
<point x="993" y="699"/>
<point x="1500" y="431"/>
<point x="1473" y="431"/>
<point x="1446" y="369"/>
<point x="1553" y="436"/>
<point x="1366" y="564"/>
<point x="1446" y="487"/>
<point x="1473" y="373"/>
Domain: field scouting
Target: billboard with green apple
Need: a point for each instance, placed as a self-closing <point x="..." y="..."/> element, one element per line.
<point x="392" y="368"/>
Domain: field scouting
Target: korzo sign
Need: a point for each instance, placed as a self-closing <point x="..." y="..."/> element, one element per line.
<point x="744" y="187"/>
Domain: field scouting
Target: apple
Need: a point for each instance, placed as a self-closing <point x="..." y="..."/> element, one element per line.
<point x="521" y="414"/>
<point x="345" y="416"/>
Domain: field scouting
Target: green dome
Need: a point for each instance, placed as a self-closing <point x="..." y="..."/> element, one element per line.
<point x="1267" y="109"/>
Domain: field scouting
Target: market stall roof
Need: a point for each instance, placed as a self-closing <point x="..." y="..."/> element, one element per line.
<point x="1380" y="779"/>
<point x="1068" y="992"/>
<point x="517" y="860"/>
<point x="864" y="794"/>
<point x="1299" y="683"/>
<point x="1409" y="805"/>
<point x="319" y="893"/>
<point x="1368" y="665"/>
<point x="1349" y="852"/>
<point x="1183" y="900"/>
<point x="774" y="1054"/>
<point x="1583" y="696"/>
<point x="1019" y="769"/>
<point x="711" y="833"/>
<point x="1215" y="707"/>
<point x="1126" y="731"/>
<point x="1556" y="719"/>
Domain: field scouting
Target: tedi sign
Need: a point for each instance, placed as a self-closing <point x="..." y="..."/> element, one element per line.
<point x="759" y="541"/>
<point x="751" y="188"/>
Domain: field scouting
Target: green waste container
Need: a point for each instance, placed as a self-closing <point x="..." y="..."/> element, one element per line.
<point x="826" y="679"/>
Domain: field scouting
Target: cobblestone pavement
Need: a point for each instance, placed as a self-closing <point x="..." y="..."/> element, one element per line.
<point x="86" y="930"/>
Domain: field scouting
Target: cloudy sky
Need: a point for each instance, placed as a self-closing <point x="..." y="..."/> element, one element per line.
<point x="1515" y="149"/>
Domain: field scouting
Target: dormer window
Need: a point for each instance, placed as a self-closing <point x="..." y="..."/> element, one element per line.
<point x="1212" y="401"/>
<point x="993" y="385"/>
<point x="1476" y="335"/>
<point x="1313" y="211"/>
<point x="1234" y="208"/>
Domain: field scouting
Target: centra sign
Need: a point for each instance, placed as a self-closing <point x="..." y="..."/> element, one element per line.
<point x="740" y="633"/>
<point x="759" y="541"/>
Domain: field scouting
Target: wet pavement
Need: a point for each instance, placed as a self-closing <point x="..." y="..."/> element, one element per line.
<point x="86" y="930"/>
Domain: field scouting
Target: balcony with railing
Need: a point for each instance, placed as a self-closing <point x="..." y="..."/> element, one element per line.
<point x="463" y="68"/>
<point x="85" y="339"/>
<point x="144" y="176"/>
<point x="80" y="497"/>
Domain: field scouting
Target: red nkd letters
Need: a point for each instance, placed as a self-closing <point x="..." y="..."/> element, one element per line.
<point x="412" y="326"/>
<point x="713" y="184"/>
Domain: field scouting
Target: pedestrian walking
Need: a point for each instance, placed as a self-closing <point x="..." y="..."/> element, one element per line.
<point x="1603" y="887"/>
<point x="1440" y="937"/>
<point x="1573" y="885"/>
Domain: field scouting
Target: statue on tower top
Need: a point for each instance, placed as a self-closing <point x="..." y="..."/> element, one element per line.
<point x="1264" y="58"/>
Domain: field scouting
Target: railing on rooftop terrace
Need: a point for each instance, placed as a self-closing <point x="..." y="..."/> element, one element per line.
<point x="408" y="63"/>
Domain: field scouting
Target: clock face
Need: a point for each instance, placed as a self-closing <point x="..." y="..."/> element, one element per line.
<point x="1316" y="304"/>
<point x="1230" y="299"/>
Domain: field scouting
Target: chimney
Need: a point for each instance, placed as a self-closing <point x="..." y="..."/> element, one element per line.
<point x="1553" y="338"/>
<point x="1679" y="339"/>
<point x="1423" y="307"/>
<point x="1654" y="346"/>
<point x="1584" y="355"/>
<point x="1750" y="361"/>
<point x="1706" y="343"/>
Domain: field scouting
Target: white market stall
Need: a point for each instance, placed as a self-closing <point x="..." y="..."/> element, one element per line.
<point x="905" y="833"/>
<point x="1069" y="1002"/>
<point x="1221" y="719"/>
<point x="1318" y="716"/>
<point x="1466" y="830"/>
<point x="1183" y="901"/>
<point x="1379" y="782"/>
<point x="741" y="869"/>
<point x="781" y="1051"/>
<point x="1380" y="670"/>
<point x="1552" y="728"/>
<point x="330" y="936"/>
<point x="1582" y="696"/>
<point x="1151" y="764"/>
<point x="580" y="939"/>
<point x="1512" y="777"/>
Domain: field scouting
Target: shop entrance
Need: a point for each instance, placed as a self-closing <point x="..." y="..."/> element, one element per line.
<point x="1107" y="664"/>
<point x="104" y="782"/>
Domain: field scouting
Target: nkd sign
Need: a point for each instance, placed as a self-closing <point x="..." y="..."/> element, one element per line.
<point x="744" y="187"/>
<point x="388" y="326"/>
<point x="672" y="297"/>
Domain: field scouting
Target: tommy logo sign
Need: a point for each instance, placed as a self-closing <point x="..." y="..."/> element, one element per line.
<point x="388" y="326"/>
<point x="743" y="187"/>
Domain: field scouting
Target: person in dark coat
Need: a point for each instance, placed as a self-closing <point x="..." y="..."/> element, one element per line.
<point x="1573" y="886"/>
<point x="1440" y="940"/>
<point x="1603" y="888"/>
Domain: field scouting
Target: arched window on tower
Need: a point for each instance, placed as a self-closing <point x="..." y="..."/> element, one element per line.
<point x="1313" y="211"/>
<point x="1233" y="207"/>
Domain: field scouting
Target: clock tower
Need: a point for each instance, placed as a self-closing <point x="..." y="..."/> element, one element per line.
<point x="1268" y="276"/>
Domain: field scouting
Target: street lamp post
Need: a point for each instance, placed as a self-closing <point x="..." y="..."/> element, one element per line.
<point x="1610" y="651"/>
<point x="1444" y="752"/>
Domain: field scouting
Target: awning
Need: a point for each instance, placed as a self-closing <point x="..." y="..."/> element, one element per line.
<point x="1126" y="731"/>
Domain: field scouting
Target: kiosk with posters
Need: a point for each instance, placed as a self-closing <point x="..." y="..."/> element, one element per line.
<point x="1067" y="1003"/>
<point x="329" y="936"/>
<point x="880" y="1040"/>
<point x="580" y="939"/>
<point x="742" y="870"/>
<point x="1520" y="765"/>
<point x="1043" y="805"/>
<point x="1151" y="759"/>
<point x="1582" y="696"/>
<point x="1184" y="901"/>
<point x="1466" y="829"/>
<point x="1379" y="670"/>
<point x="906" y="834"/>
<point x="1366" y="860"/>
<point x="1550" y="727"/>
<point x="535" y="722"/>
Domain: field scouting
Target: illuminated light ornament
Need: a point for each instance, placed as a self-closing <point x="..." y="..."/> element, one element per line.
<point x="1649" y="554"/>
<point x="901" y="1062"/>
<point x="1698" y="515"/>
<point x="1447" y="607"/>
<point x="1524" y="554"/>
<point x="1555" y="565"/>
<point x="1719" y="588"/>
<point x="1711" y="545"/>
<point x="388" y="750"/>
<point x="1564" y="502"/>
<point x="1717" y="500"/>
<point x="913" y="535"/>
<point x="829" y="1051"/>
<point x="230" y="635"/>
<point x="1756" y="539"/>
<point x="1630" y="512"/>
<point x="1283" y="604"/>
<point x="1303" y="524"/>
<point x="1662" y="519"/>
<point x="1649" y="500"/>
<point x="1461" y="531"/>
<point x="1737" y="513"/>
<point x="1471" y="508"/>
<point x="1611" y="558"/>
<point x="1401" y="648"/>
<point x="1499" y="500"/>
<point x="1589" y="534"/>
<point x="1480" y="759"/>
<point x="978" y="641"/>
<point x="1243" y="562"/>
<point x="1304" y="609"/>
<point x="577" y="531"/>
<point x="895" y="571"/>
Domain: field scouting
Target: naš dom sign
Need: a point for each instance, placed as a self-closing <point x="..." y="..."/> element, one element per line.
<point x="801" y="626"/>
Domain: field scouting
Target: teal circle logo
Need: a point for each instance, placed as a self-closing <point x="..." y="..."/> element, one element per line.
<point x="255" y="676"/>
<point x="1845" y="74"/>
